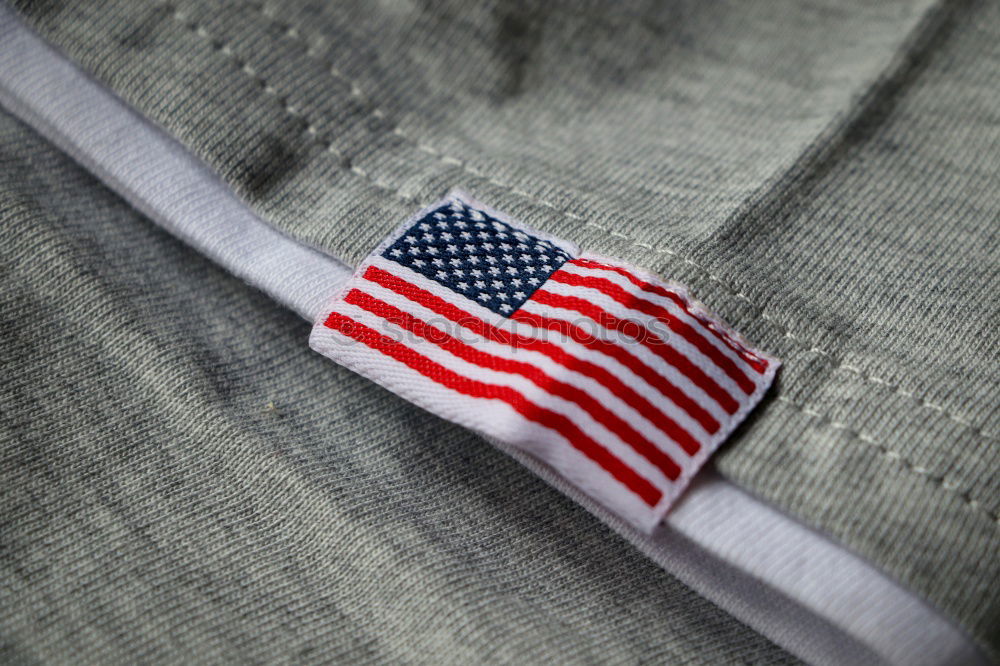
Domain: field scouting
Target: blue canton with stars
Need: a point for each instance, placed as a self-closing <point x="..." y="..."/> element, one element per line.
<point x="477" y="256"/>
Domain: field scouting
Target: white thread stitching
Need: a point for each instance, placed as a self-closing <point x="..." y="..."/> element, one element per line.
<point x="246" y="68"/>
<point x="889" y="454"/>
<point x="894" y="456"/>
<point x="838" y="363"/>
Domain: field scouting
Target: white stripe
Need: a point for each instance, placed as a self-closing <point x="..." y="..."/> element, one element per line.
<point x="695" y="307"/>
<point x="701" y="327"/>
<point x="537" y="395"/>
<point x="641" y="352"/>
<point x="574" y="348"/>
<point x="671" y="339"/>
<point x="551" y="368"/>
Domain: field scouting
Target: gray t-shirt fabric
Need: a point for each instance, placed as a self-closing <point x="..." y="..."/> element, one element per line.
<point x="183" y="480"/>
<point x="823" y="175"/>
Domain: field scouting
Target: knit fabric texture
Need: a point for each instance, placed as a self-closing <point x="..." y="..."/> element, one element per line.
<point x="183" y="480"/>
<point x="823" y="175"/>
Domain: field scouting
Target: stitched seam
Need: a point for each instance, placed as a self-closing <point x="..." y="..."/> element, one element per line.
<point x="345" y="163"/>
<point x="838" y="363"/>
<point x="894" y="456"/>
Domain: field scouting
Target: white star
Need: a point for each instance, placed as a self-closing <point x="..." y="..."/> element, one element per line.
<point x="494" y="270"/>
<point x="505" y="307"/>
<point x="432" y="250"/>
<point x="502" y="296"/>
<point x="465" y="235"/>
<point x="473" y="259"/>
<point x="475" y="272"/>
<point x="396" y="252"/>
<point x="437" y="262"/>
<point x="512" y="270"/>
<point x="484" y="297"/>
<point x="460" y="224"/>
<point x="488" y="246"/>
<point x="418" y="262"/>
<point x="462" y="285"/>
<point x="446" y="236"/>
<point x="441" y="275"/>
<point x="479" y="284"/>
<point x="508" y="258"/>
<point x="519" y="294"/>
<point x="516" y="282"/>
<point x="410" y="239"/>
<point x="476" y="215"/>
<point x="455" y="261"/>
<point x="497" y="284"/>
<point x="425" y="227"/>
<point x="533" y="280"/>
<point x="490" y="259"/>
<point x="452" y="248"/>
<point x="414" y="250"/>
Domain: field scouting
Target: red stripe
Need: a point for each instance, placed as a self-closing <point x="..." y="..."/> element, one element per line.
<point x="556" y="353"/>
<point x="650" y="376"/>
<point x="476" y="389"/>
<point x="626" y="433"/>
<point x="758" y="364"/>
<point x="654" y="344"/>
<point x="633" y="302"/>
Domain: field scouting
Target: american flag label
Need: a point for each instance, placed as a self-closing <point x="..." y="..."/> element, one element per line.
<point x="618" y="380"/>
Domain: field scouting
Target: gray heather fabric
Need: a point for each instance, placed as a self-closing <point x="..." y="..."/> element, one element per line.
<point x="182" y="479"/>
<point x="823" y="174"/>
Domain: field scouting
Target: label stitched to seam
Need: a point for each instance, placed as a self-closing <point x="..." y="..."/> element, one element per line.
<point x="618" y="380"/>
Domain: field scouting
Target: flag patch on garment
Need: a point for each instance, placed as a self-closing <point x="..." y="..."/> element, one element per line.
<point x="618" y="380"/>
